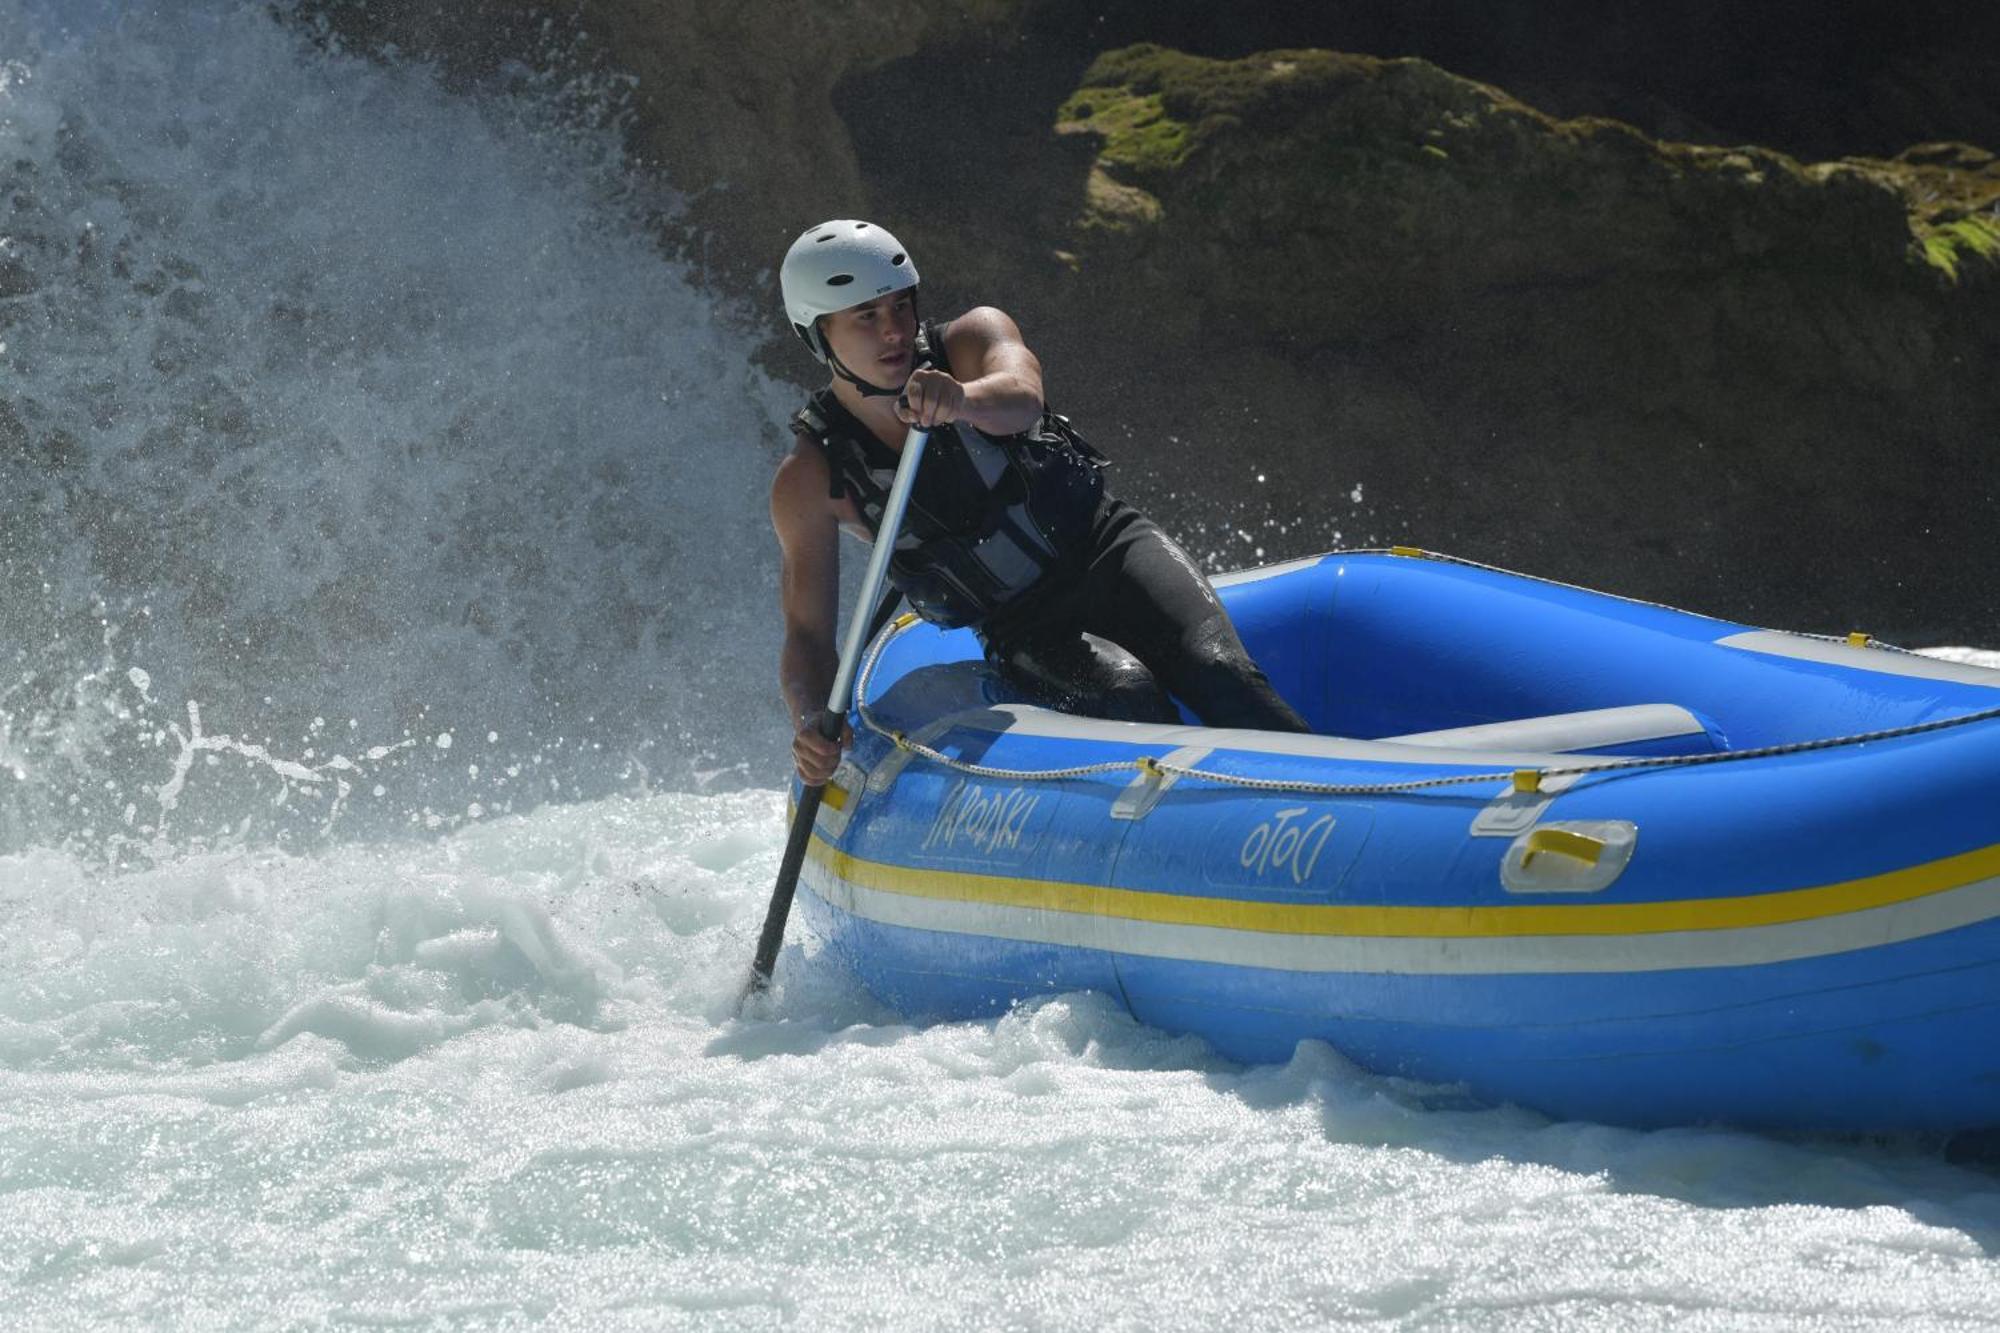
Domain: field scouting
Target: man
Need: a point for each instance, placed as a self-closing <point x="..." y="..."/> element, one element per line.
<point x="1079" y="599"/>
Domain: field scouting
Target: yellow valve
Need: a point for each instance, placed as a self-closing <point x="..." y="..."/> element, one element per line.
<point x="1576" y="846"/>
<point x="1150" y="767"/>
<point x="902" y="741"/>
<point x="1858" y="639"/>
<point x="1527" y="779"/>
<point x="904" y="621"/>
<point x="1414" y="551"/>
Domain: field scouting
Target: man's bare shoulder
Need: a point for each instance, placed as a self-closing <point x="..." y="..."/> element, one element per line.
<point x="984" y="341"/>
<point x="988" y="324"/>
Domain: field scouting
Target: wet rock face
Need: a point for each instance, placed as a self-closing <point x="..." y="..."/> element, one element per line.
<point x="1377" y="198"/>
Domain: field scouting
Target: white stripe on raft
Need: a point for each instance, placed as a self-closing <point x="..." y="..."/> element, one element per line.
<point x="1589" y="729"/>
<point x="1258" y="573"/>
<point x="1887" y="662"/>
<point x="1747" y="946"/>
<point x="1028" y="720"/>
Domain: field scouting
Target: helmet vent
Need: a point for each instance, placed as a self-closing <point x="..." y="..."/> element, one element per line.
<point x="823" y="238"/>
<point x="840" y="280"/>
<point x="897" y="262"/>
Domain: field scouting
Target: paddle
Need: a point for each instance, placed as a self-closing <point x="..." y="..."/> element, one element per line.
<point x="837" y="703"/>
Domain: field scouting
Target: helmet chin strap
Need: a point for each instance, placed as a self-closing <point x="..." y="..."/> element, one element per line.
<point x="866" y="389"/>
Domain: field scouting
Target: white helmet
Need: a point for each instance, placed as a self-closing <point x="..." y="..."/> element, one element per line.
<point x="836" y="265"/>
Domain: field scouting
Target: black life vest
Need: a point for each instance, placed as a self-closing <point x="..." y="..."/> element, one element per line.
<point x="989" y="517"/>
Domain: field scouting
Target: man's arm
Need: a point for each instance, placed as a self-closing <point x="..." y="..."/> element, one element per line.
<point x="1000" y="392"/>
<point x="809" y="593"/>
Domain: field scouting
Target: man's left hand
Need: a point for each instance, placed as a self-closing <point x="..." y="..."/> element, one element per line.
<point x="931" y="398"/>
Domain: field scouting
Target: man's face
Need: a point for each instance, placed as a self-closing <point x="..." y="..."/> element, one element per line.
<point x="876" y="339"/>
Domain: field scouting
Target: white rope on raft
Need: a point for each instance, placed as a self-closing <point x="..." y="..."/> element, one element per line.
<point x="1529" y="779"/>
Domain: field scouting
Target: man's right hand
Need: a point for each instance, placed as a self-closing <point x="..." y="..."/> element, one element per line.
<point x="814" y="755"/>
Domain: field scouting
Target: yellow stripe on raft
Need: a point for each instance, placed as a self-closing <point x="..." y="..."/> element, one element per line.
<point x="1765" y="909"/>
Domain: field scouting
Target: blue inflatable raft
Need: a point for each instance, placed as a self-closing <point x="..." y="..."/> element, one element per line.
<point x="1602" y="858"/>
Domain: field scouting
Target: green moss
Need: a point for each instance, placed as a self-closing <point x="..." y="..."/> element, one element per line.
<point x="1117" y="207"/>
<point x="1138" y="133"/>
<point x="1947" y="247"/>
<point x="1940" y="255"/>
<point x="1155" y="107"/>
<point x="1981" y="235"/>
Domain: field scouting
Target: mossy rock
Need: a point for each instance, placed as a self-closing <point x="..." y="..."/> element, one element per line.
<point x="1392" y="189"/>
<point x="1952" y="191"/>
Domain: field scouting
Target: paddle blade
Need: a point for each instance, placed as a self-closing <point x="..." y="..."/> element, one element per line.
<point x="773" y="937"/>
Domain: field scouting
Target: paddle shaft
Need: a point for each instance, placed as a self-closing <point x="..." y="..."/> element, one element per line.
<point x="839" y="699"/>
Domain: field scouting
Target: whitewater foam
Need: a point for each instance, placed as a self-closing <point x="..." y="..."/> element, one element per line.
<point x="498" y="1079"/>
<point x="333" y="396"/>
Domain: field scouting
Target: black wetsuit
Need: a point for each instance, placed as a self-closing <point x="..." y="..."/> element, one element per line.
<point x="1149" y="615"/>
<point x="1086" y="605"/>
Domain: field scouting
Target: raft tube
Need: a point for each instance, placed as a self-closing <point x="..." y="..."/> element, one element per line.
<point x="1592" y="856"/>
